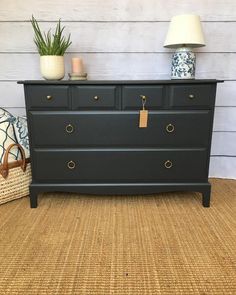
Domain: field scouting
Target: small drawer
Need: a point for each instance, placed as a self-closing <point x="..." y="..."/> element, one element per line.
<point x="132" y="97"/>
<point x="153" y="165"/>
<point x="192" y="95"/>
<point x="47" y="96"/>
<point x="94" y="97"/>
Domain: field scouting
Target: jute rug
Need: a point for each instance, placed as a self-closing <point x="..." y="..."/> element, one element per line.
<point x="77" y="244"/>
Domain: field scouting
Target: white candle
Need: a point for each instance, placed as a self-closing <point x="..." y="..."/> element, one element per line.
<point x="77" y="65"/>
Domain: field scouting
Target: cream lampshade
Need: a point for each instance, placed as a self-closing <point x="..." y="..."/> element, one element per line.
<point x="185" y="32"/>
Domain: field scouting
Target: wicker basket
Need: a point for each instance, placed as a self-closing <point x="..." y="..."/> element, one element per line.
<point x="15" y="177"/>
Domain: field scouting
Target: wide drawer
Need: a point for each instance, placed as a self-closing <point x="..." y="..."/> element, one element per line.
<point x="192" y="95"/>
<point x="165" y="128"/>
<point x="47" y="96"/>
<point x="119" y="165"/>
<point x="132" y="97"/>
<point x="94" y="97"/>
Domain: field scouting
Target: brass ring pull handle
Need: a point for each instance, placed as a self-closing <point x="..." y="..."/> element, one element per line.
<point x="96" y="97"/>
<point x="71" y="165"/>
<point x="49" y="97"/>
<point x="168" y="164"/>
<point x="170" y="128"/>
<point x="69" y="128"/>
<point x="191" y="96"/>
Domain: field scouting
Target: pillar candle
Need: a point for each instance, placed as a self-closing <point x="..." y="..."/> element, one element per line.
<point x="77" y="65"/>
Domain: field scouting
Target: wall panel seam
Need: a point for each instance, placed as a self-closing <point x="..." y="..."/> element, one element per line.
<point x="110" y="21"/>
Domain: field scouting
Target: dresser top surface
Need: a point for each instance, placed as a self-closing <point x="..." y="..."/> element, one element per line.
<point x="118" y="82"/>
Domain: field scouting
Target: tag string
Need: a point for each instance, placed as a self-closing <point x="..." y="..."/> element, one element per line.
<point x="143" y="102"/>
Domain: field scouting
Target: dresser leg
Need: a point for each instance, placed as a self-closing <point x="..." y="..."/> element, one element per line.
<point x="33" y="199"/>
<point x="206" y="196"/>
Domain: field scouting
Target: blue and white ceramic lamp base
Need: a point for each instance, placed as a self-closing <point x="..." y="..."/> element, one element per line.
<point x="183" y="64"/>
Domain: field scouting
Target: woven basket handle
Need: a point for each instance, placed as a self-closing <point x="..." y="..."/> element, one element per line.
<point x="5" y="169"/>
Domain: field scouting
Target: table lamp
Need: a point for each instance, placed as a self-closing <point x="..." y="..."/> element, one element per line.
<point x="185" y="33"/>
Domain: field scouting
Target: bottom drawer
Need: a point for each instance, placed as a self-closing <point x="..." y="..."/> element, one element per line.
<point x="120" y="165"/>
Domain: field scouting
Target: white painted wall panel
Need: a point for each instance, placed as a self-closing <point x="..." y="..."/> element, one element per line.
<point x="216" y="65"/>
<point x="122" y="65"/>
<point x="111" y="10"/>
<point x="225" y="119"/>
<point x="98" y="65"/>
<point x="226" y="94"/>
<point x="116" y="36"/>
<point x="223" y="143"/>
<point x="223" y="167"/>
<point x="11" y="94"/>
<point x="17" y="111"/>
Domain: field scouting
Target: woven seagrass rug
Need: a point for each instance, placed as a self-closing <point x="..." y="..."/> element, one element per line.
<point x="157" y="244"/>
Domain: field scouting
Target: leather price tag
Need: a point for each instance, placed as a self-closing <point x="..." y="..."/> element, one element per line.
<point x="143" y="118"/>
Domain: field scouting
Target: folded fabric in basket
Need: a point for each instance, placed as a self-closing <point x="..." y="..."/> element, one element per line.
<point x="13" y="130"/>
<point x="7" y="135"/>
<point x="21" y="133"/>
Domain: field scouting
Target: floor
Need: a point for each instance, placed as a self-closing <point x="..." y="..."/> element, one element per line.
<point x="157" y="244"/>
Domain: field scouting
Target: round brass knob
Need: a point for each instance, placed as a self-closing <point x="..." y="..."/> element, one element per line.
<point x="168" y="164"/>
<point x="69" y="128"/>
<point x="71" y="165"/>
<point x="191" y="96"/>
<point x="170" y="128"/>
<point x="143" y="97"/>
<point x="49" y="97"/>
<point x="96" y="97"/>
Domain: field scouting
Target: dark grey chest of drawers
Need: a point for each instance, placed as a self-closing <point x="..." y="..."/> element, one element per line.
<point x="85" y="136"/>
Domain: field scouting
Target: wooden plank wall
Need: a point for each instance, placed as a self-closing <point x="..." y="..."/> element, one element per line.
<point x="124" y="40"/>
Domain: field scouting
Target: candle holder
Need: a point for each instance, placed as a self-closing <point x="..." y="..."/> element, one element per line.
<point x="77" y="76"/>
<point x="77" y="69"/>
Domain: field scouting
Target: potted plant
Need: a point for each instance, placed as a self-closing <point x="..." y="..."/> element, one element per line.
<point x="51" y="48"/>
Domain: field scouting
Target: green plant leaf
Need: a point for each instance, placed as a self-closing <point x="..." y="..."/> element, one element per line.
<point x="48" y="43"/>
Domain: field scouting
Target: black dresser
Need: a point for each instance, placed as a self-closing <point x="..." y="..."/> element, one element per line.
<point x="85" y="136"/>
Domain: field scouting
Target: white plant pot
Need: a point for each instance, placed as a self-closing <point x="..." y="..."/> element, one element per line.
<point x="52" y="67"/>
